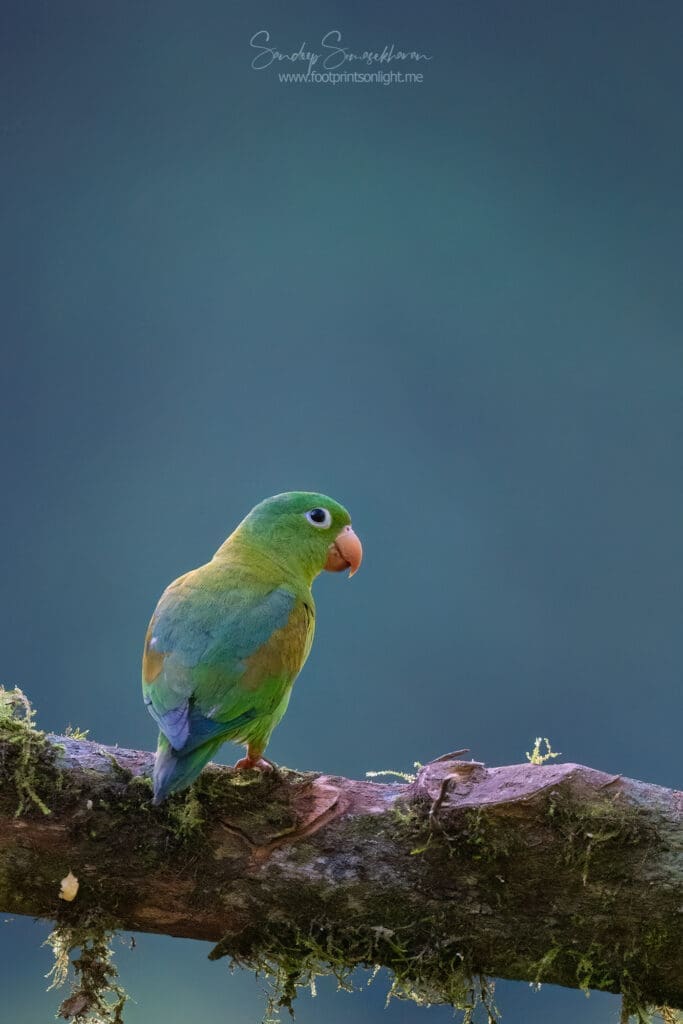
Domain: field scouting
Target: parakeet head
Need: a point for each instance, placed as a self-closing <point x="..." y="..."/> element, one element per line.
<point x="303" y="529"/>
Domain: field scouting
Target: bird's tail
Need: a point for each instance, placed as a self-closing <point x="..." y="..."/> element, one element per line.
<point x="174" y="771"/>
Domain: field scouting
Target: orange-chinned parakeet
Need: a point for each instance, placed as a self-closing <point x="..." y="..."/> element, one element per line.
<point x="228" y="639"/>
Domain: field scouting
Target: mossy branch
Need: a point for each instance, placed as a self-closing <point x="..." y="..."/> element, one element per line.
<point x="541" y="872"/>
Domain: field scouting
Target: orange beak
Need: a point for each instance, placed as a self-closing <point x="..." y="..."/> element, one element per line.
<point x="346" y="552"/>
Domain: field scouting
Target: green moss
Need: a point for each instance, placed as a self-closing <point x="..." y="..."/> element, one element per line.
<point x="454" y="985"/>
<point x="409" y="825"/>
<point x="28" y="747"/>
<point x="121" y="773"/>
<point x="422" y="971"/>
<point x="536" y="756"/>
<point x="186" y="816"/>
<point x="485" y="838"/>
<point x="472" y="833"/>
<point x="668" y="1015"/>
<point x="95" y="994"/>
<point x="544" y="964"/>
<point x="74" y="733"/>
<point x="644" y="953"/>
<point x="14" y="868"/>
<point x="586" y="967"/>
<point x="606" y="825"/>
<point x="590" y="972"/>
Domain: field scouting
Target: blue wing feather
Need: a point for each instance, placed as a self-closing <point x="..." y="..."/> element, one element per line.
<point x="186" y="728"/>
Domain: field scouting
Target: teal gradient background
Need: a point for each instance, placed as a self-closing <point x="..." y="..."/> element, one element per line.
<point x="454" y="306"/>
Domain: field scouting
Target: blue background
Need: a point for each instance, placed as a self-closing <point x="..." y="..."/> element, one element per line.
<point x="454" y="306"/>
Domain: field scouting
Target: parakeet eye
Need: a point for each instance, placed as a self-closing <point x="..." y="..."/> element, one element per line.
<point x="319" y="517"/>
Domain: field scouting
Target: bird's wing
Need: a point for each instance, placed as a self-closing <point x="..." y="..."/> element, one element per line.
<point x="210" y="652"/>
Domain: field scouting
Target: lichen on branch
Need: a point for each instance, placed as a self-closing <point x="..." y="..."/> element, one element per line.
<point x="95" y="996"/>
<point x="26" y="744"/>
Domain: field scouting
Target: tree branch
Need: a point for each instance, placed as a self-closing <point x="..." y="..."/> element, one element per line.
<point x="553" y="873"/>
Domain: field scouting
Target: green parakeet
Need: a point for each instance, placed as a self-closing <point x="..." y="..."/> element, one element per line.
<point x="227" y="640"/>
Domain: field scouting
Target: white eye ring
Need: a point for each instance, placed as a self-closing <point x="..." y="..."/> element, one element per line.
<point x="322" y="520"/>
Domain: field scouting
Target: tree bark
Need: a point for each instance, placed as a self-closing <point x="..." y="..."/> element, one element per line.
<point x="544" y="873"/>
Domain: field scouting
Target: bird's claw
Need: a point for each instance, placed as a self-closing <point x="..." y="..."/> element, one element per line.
<point x="259" y="764"/>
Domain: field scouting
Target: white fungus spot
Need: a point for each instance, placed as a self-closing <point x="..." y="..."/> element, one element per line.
<point x="68" y="887"/>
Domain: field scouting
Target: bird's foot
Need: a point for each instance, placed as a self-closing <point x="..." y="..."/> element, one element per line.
<point x="260" y="764"/>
